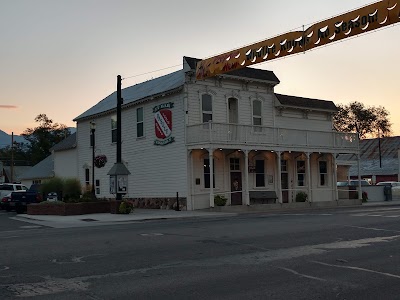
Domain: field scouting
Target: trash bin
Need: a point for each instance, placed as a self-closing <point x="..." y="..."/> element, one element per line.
<point x="387" y="190"/>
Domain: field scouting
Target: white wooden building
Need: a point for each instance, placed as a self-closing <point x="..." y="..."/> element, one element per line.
<point x="229" y="135"/>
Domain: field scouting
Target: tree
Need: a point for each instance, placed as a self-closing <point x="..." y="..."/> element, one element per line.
<point x="43" y="137"/>
<point x="367" y="121"/>
<point x="19" y="154"/>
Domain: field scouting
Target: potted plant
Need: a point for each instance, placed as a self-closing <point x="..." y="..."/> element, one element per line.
<point x="220" y="200"/>
<point x="100" y="161"/>
<point x="301" y="197"/>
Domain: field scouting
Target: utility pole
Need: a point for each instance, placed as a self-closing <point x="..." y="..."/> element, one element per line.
<point x="119" y="139"/>
<point x="12" y="158"/>
<point x="119" y="171"/>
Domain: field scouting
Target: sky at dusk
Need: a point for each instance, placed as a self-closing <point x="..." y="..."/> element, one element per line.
<point x="62" y="57"/>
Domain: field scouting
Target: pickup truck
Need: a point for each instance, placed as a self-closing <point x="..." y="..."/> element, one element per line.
<point x="20" y="199"/>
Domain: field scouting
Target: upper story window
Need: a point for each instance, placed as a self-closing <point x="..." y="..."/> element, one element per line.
<point x="257" y="117"/>
<point x="139" y="122"/>
<point x="323" y="173"/>
<point x="113" y="129"/>
<point x="206" y="107"/>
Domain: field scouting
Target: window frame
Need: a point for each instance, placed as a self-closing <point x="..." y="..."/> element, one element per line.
<point x="206" y="175"/>
<point x="304" y="180"/>
<point x="113" y="129"/>
<point x="256" y="127"/>
<point x="140" y="124"/>
<point x="323" y="175"/>
<point x="206" y="112"/>
<point x="259" y="174"/>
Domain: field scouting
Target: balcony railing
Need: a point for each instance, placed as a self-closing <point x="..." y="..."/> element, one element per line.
<point x="223" y="133"/>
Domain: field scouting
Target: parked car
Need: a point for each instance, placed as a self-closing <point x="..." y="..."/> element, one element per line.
<point x="20" y="199"/>
<point x="353" y="183"/>
<point x="389" y="183"/>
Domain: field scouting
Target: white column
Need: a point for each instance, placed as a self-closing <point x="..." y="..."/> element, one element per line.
<point x="189" y="173"/>
<point x="210" y="155"/>
<point x="334" y="178"/>
<point x="359" y="177"/>
<point x="279" y="177"/>
<point x="246" y="178"/>
<point x="309" y="177"/>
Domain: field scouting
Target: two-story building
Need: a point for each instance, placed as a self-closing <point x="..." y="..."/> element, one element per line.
<point x="228" y="135"/>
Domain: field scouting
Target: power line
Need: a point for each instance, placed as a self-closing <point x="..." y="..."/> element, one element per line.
<point x="151" y="72"/>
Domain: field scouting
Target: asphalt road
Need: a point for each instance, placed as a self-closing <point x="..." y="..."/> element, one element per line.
<point x="332" y="254"/>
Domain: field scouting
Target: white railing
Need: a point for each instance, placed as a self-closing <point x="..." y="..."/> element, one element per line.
<point x="223" y="133"/>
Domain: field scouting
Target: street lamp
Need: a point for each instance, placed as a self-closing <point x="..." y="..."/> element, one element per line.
<point x="92" y="130"/>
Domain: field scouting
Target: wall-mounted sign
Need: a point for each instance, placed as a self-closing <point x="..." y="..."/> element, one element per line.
<point x="367" y="18"/>
<point x="163" y="124"/>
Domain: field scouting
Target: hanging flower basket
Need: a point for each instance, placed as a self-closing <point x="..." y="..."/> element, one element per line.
<point x="100" y="161"/>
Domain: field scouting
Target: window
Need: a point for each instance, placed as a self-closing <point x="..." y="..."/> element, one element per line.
<point x="206" y="107"/>
<point x="91" y="139"/>
<point x="207" y="173"/>
<point x="234" y="164"/>
<point x="284" y="167"/>
<point x="139" y="122"/>
<point x="260" y="173"/>
<point x="87" y="177"/>
<point x="257" y="119"/>
<point x="323" y="173"/>
<point x="301" y="172"/>
<point x="113" y="129"/>
<point x="97" y="186"/>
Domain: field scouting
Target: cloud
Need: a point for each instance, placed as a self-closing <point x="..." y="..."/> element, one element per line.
<point x="8" y="106"/>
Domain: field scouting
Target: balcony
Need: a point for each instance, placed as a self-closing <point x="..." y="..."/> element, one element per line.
<point x="238" y="135"/>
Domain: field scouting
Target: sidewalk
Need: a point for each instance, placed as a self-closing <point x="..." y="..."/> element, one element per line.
<point x="140" y="215"/>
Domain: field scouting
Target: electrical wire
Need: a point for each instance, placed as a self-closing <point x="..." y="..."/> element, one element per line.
<point x="151" y="72"/>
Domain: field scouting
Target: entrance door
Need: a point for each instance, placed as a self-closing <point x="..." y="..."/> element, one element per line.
<point x="236" y="188"/>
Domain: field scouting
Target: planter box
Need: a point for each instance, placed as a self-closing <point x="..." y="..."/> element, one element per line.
<point x="68" y="209"/>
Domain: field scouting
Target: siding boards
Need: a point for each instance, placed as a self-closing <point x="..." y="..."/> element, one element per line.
<point x="163" y="167"/>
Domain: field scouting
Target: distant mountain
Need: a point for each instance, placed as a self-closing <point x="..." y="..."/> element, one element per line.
<point x="5" y="138"/>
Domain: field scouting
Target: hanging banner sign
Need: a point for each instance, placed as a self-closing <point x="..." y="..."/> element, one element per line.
<point x="368" y="18"/>
<point x="163" y="124"/>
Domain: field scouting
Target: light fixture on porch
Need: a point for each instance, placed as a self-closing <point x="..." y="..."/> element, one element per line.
<point x="239" y="150"/>
<point x="220" y="149"/>
<point x="272" y="151"/>
<point x="202" y="148"/>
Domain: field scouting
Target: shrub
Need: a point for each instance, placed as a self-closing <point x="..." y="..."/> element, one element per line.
<point x="72" y="190"/>
<point x="301" y="197"/>
<point x="220" y="200"/>
<point x="125" y="207"/>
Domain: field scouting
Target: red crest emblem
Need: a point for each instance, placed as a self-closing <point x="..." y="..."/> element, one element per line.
<point x="163" y="123"/>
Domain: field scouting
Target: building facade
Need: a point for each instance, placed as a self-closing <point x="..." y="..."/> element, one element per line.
<point x="230" y="135"/>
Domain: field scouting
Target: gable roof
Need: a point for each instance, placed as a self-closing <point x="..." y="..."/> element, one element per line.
<point x="246" y="72"/>
<point x="17" y="172"/>
<point x="151" y="88"/>
<point x="369" y="154"/>
<point x="300" y="102"/>
<point x="43" y="169"/>
<point x="65" y="144"/>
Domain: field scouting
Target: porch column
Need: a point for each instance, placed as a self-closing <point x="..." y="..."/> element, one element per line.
<point x="189" y="173"/>
<point x="334" y="178"/>
<point x="246" y="178"/>
<point x="308" y="154"/>
<point x="279" y="177"/>
<point x="359" y="177"/>
<point x="210" y="156"/>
